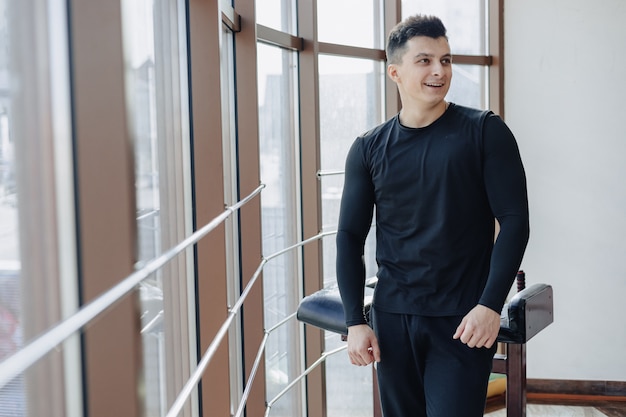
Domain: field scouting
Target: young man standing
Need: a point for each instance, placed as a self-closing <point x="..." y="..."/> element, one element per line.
<point x="438" y="175"/>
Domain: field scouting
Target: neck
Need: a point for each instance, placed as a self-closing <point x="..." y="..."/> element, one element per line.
<point x="422" y="117"/>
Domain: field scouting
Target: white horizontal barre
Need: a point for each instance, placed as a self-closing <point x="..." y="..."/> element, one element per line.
<point x="21" y="360"/>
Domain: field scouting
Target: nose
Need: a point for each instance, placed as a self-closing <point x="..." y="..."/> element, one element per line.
<point x="437" y="68"/>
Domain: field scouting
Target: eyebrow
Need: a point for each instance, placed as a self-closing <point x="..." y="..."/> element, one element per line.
<point x="424" y="54"/>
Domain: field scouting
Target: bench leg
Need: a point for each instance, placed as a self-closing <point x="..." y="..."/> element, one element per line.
<point x="516" y="380"/>
<point x="377" y="408"/>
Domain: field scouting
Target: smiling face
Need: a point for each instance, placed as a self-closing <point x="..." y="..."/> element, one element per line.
<point x="423" y="75"/>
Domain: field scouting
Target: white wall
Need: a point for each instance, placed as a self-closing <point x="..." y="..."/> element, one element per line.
<point x="565" y="100"/>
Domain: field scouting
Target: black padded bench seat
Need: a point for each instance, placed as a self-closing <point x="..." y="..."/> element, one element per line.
<point x="528" y="312"/>
<point x="324" y="309"/>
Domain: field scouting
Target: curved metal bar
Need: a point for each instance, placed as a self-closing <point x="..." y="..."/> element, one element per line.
<point x="304" y="242"/>
<point x="257" y="362"/>
<point x="194" y="379"/>
<point x="40" y="346"/>
<point x="302" y="375"/>
<point x="326" y="173"/>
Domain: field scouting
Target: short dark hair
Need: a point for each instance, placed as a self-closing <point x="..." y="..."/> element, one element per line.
<point x="418" y="25"/>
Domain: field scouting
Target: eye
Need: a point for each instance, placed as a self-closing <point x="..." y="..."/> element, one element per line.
<point x="446" y="61"/>
<point x="424" y="61"/>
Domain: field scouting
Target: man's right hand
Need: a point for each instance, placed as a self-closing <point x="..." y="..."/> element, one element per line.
<point x="362" y="345"/>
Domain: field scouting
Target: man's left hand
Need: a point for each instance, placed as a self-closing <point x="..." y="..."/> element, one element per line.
<point x="479" y="328"/>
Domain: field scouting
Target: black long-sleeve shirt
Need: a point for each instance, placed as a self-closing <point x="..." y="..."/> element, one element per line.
<point x="436" y="191"/>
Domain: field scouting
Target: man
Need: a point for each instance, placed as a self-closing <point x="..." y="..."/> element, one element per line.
<point x="438" y="175"/>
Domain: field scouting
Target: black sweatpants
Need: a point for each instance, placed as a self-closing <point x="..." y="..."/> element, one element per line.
<point x="423" y="372"/>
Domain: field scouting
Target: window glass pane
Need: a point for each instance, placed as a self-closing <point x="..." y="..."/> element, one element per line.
<point x="468" y="86"/>
<point x="36" y="166"/>
<point x="465" y="21"/>
<point x="350" y="22"/>
<point x="156" y="52"/>
<point x="277" y="14"/>
<point x="12" y="399"/>
<point x="12" y="396"/>
<point x="351" y="102"/>
<point x="279" y="221"/>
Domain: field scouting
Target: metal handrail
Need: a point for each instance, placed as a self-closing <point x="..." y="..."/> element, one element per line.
<point x="329" y="172"/>
<point x="307" y="371"/>
<point x="21" y="360"/>
<point x="194" y="379"/>
<point x="257" y="362"/>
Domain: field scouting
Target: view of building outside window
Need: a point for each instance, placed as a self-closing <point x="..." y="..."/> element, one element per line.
<point x="281" y="276"/>
<point x="140" y="47"/>
<point x="157" y="94"/>
<point x="351" y="103"/>
<point x="280" y="225"/>
<point x="142" y="85"/>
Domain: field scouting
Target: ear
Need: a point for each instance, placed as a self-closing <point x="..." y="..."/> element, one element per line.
<point x="392" y="72"/>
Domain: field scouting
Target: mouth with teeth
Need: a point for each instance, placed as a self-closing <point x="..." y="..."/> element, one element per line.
<point x="437" y="85"/>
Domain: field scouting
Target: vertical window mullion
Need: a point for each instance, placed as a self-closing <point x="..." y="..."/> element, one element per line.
<point x="229" y="143"/>
<point x="308" y="85"/>
<point x="249" y="179"/>
<point x="209" y="190"/>
<point x="106" y="205"/>
<point x="496" y="49"/>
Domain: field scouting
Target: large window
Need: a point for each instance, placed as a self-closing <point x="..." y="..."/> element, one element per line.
<point x="157" y="91"/>
<point x="37" y="252"/>
<point x="279" y="205"/>
<point x="351" y="98"/>
<point x="351" y="94"/>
